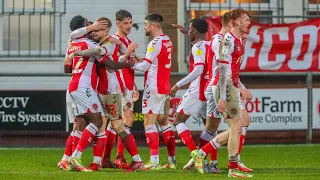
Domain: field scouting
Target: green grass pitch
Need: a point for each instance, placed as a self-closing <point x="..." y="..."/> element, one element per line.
<point x="269" y="162"/>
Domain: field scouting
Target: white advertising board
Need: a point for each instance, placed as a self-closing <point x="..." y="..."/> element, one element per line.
<point x="270" y="109"/>
<point x="316" y="108"/>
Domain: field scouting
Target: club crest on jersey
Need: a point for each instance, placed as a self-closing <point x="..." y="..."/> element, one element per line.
<point x="234" y="111"/>
<point x="225" y="49"/>
<point x="95" y="106"/>
<point x="198" y="52"/>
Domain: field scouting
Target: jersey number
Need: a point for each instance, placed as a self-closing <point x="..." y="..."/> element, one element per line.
<point x="169" y="58"/>
<point x="76" y="67"/>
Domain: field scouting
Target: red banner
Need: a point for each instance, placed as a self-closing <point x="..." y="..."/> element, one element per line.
<point x="279" y="47"/>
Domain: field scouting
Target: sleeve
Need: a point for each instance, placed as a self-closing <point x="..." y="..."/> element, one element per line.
<point x="109" y="49"/>
<point x="215" y="46"/>
<point x="78" y="33"/>
<point x="122" y="58"/>
<point x="65" y="58"/>
<point x="199" y="54"/>
<point x="196" y="72"/>
<point x="122" y="49"/>
<point x="142" y="66"/>
<point x="226" y="48"/>
<point x="67" y="53"/>
<point x="104" y="51"/>
<point x="153" y="50"/>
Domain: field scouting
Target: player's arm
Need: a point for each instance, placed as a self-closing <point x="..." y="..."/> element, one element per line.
<point x="67" y="64"/>
<point x="115" y="65"/>
<point x="180" y="28"/>
<point x="153" y="51"/>
<point x="138" y="58"/>
<point x="129" y="51"/>
<point x="142" y="66"/>
<point x="199" y="60"/>
<point x="223" y="63"/>
<point x="95" y="50"/>
<point x="244" y="92"/>
<point x="241" y="85"/>
<point x="99" y="51"/>
<point x="196" y="72"/>
<point x="96" y="26"/>
<point x="136" y="93"/>
<point x="122" y="49"/>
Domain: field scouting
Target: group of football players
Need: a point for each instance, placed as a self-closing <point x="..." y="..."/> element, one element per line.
<point x="102" y="91"/>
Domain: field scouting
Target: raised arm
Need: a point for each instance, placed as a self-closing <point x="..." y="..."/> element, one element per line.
<point x="83" y="31"/>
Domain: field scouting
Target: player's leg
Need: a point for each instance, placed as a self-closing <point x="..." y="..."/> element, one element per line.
<point x="232" y="115"/>
<point x="214" y="144"/>
<point x="110" y="133"/>
<point x="128" y="120"/>
<point x="169" y="140"/>
<point x="99" y="145"/>
<point x="210" y="129"/>
<point x="209" y="132"/>
<point x="87" y="103"/>
<point x="245" y="124"/>
<point x="188" y="106"/>
<point x="87" y="136"/>
<point x="150" y="102"/>
<point x="125" y="134"/>
<point x="153" y="105"/>
<point x="152" y="138"/>
<point x="111" y="138"/>
<point x="63" y="164"/>
<point x="81" y="124"/>
<point x="235" y="123"/>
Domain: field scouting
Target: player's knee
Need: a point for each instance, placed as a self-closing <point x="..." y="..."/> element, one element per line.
<point x="117" y="126"/>
<point x="128" y="121"/>
<point x="175" y="122"/>
<point x="212" y="124"/>
<point x="163" y="122"/>
<point x="178" y="120"/>
<point x="98" y="123"/>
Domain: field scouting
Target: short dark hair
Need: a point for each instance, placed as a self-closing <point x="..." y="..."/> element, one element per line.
<point x="107" y="20"/>
<point x="122" y="14"/>
<point x="200" y="24"/>
<point x="153" y="17"/>
<point x="77" y="22"/>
